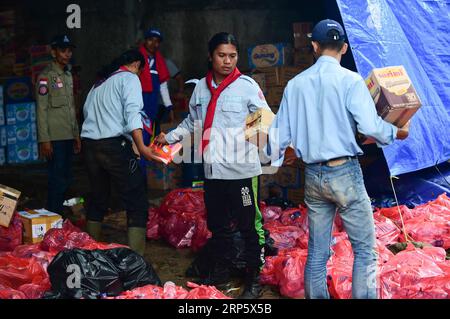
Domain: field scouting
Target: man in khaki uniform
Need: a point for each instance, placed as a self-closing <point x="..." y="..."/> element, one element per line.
<point x="58" y="132"/>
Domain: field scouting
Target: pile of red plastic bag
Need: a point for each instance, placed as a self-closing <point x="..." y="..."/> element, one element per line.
<point x="23" y="268"/>
<point x="180" y="220"/>
<point x="171" y="291"/>
<point x="412" y="273"/>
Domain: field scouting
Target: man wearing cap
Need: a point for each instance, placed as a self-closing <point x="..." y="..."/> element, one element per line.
<point x="58" y="133"/>
<point x="154" y="79"/>
<point x="321" y="111"/>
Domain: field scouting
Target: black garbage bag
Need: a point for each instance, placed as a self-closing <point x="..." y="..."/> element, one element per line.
<point x="91" y="274"/>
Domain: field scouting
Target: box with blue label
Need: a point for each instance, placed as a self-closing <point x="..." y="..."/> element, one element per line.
<point x="22" y="153"/>
<point x="20" y="113"/>
<point x="18" y="90"/>
<point x="2" y="156"/>
<point x="21" y="133"/>
<point x="268" y="55"/>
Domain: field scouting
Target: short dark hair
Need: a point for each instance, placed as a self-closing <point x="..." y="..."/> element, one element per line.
<point x="332" y="44"/>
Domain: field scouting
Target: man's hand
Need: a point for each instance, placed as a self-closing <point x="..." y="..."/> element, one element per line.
<point x="147" y="153"/>
<point x="403" y="132"/>
<point x="161" y="139"/>
<point x="77" y="145"/>
<point x="46" y="150"/>
<point x="289" y="157"/>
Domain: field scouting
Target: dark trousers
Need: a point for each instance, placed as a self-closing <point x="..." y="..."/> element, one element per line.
<point x="232" y="205"/>
<point x="59" y="174"/>
<point x="112" y="161"/>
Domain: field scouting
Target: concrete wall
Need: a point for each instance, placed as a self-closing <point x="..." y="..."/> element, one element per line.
<point x="110" y="27"/>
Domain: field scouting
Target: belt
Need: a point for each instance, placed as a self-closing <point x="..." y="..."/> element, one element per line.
<point x="337" y="161"/>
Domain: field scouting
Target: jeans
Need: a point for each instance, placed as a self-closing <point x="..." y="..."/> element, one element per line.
<point x="341" y="188"/>
<point x="112" y="161"/>
<point x="59" y="174"/>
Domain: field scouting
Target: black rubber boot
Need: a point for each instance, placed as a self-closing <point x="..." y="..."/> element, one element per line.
<point x="252" y="288"/>
<point x="218" y="276"/>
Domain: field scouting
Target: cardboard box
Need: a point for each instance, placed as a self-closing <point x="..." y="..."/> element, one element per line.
<point x="20" y="113"/>
<point x="301" y="30"/>
<point x="267" y="55"/>
<point x="23" y="133"/>
<point x="2" y="156"/>
<point x="279" y="76"/>
<point x="18" y="90"/>
<point x="22" y="153"/>
<point x="274" y="95"/>
<point x="3" y="136"/>
<point x="260" y="78"/>
<point x="303" y="57"/>
<point x="163" y="177"/>
<point x="394" y="95"/>
<point x="36" y="223"/>
<point x="8" y="203"/>
<point x="257" y="126"/>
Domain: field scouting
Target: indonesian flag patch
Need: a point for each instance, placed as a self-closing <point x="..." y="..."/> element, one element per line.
<point x="43" y="86"/>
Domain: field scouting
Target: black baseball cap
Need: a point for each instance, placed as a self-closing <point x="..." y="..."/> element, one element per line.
<point x="321" y="31"/>
<point x="62" y="42"/>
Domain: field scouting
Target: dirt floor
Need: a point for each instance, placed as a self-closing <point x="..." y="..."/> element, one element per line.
<point x="170" y="263"/>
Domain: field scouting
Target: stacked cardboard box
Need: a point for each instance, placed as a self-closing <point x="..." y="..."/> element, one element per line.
<point x="21" y="133"/>
<point x="303" y="55"/>
<point x="276" y="79"/>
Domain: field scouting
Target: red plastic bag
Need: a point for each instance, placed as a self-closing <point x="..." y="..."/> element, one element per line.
<point x="178" y="229"/>
<point x="8" y="293"/>
<point x="201" y="235"/>
<point x="393" y="214"/>
<point x="295" y="217"/>
<point x="291" y="275"/>
<point x="145" y="292"/>
<point x="70" y="237"/>
<point x="443" y="200"/>
<point x="436" y="233"/>
<point x="23" y="274"/>
<point x="386" y="231"/>
<point x="204" y="292"/>
<point x="284" y="237"/>
<point x="153" y="224"/>
<point x="415" y="274"/>
<point x="267" y="275"/>
<point x="11" y="237"/>
<point x="183" y="201"/>
<point x="271" y="213"/>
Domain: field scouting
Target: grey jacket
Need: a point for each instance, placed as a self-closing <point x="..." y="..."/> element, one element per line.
<point x="228" y="156"/>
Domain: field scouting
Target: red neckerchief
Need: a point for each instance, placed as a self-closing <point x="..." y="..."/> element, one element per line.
<point x="161" y="67"/>
<point x="215" y="94"/>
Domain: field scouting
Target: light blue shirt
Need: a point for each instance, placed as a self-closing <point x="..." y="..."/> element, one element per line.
<point x="113" y="108"/>
<point x="321" y="110"/>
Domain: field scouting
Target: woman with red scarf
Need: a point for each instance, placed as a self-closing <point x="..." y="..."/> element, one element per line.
<point x="220" y="104"/>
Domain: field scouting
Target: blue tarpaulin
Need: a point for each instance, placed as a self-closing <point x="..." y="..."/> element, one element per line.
<point x="415" y="34"/>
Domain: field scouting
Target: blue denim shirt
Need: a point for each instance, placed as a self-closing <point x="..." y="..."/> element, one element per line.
<point x="321" y="111"/>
